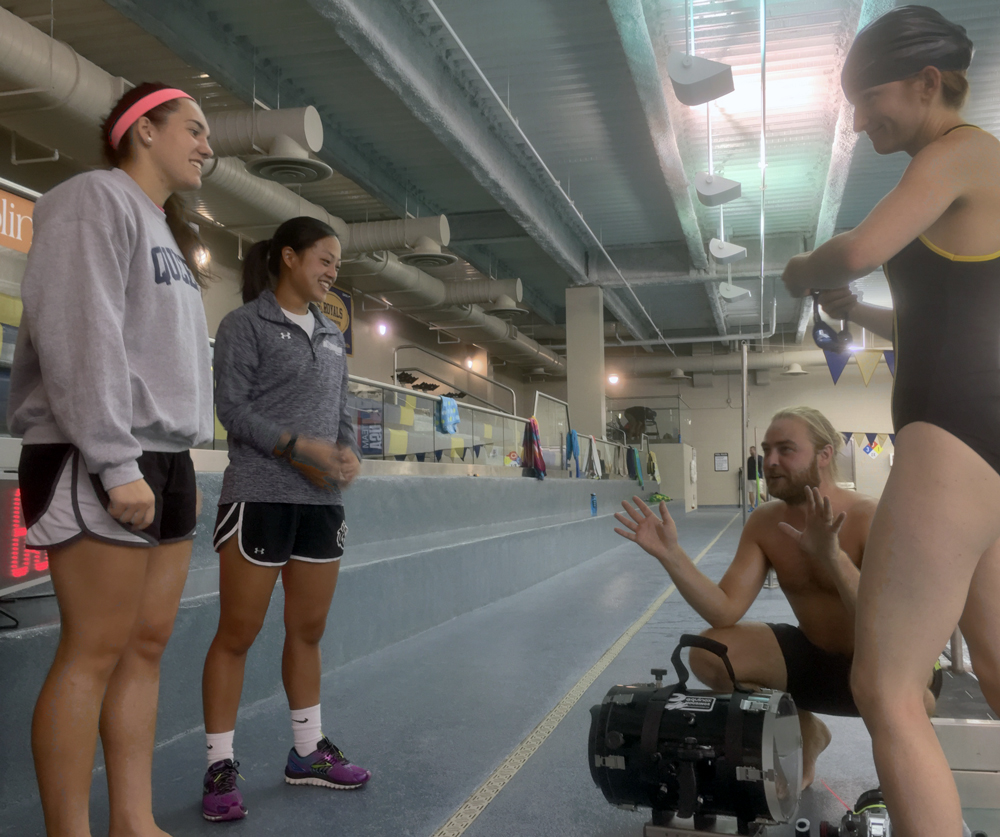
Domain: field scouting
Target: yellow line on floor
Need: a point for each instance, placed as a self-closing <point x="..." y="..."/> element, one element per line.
<point x="498" y="779"/>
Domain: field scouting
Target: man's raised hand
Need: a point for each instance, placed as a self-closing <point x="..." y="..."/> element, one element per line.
<point x="820" y="535"/>
<point x="656" y="535"/>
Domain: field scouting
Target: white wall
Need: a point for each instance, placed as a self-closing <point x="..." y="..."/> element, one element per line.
<point x="715" y="419"/>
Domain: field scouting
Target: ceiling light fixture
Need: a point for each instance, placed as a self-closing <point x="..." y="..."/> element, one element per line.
<point x="612" y="379"/>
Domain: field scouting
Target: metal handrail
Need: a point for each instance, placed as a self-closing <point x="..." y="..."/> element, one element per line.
<point x="450" y="362"/>
<point x="551" y="398"/>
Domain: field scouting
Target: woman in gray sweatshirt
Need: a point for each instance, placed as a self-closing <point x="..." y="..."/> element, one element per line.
<point x="110" y="387"/>
<point x="281" y="393"/>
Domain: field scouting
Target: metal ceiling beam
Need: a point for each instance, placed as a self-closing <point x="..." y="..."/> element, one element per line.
<point x="662" y="112"/>
<point x="637" y="44"/>
<point x="648" y="76"/>
<point x="664" y="264"/>
<point x="212" y="45"/>
<point x="404" y="58"/>
<point x="859" y="14"/>
<point x="496" y="227"/>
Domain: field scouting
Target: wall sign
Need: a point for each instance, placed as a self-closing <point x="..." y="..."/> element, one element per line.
<point x="16" y="224"/>
<point x="18" y="566"/>
<point x="722" y="462"/>
<point x="338" y="307"/>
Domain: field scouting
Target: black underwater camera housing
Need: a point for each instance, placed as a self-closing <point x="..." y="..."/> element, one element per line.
<point x="690" y="753"/>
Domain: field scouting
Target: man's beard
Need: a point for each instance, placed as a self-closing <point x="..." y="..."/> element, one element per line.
<point x="792" y="489"/>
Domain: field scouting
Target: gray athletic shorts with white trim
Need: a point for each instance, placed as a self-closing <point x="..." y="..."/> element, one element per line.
<point x="62" y="502"/>
<point x="271" y="534"/>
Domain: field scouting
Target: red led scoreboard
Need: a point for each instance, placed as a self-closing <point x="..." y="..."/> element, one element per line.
<point x="19" y="567"/>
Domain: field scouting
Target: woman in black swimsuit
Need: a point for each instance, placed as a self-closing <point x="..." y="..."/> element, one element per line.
<point x="933" y="557"/>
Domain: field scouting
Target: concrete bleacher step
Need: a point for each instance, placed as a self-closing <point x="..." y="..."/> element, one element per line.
<point x="421" y="551"/>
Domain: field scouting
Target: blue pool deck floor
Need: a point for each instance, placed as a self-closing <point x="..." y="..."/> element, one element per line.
<point x="434" y="715"/>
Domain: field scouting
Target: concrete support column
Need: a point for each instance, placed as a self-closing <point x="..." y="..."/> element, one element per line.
<point x="585" y="359"/>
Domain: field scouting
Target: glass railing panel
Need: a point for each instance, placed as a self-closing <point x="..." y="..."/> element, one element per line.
<point x="409" y="426"/>
<point x="365" y="404"/>
<point x="488" y="430"/>
<point x="553" y="427"/>
<point x="513" y="435"/>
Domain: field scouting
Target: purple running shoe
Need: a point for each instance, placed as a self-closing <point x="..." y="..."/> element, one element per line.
<point x="327" y="767"/>
<point x="222" y="800"/>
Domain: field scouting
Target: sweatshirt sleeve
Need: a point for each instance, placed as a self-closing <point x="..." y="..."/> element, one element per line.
<point x="74" y="292"/>
<point x="236" y="361"/>
<point x="345" y="432"/>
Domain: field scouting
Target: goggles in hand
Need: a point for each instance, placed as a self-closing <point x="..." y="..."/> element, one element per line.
<point x="824" y="335"/>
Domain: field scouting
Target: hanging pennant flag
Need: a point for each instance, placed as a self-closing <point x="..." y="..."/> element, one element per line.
<point x="867" y="361"/>
<point x="836" y="362"/>
<point x="881" y="439"/>
<point x="860" y="440"/>
<point x="871" y="438"/>
<point x="892" y="438"/>
<point x="890" y="360"/>
<point x="477" y="448"/>
<point x="847" y="437"/>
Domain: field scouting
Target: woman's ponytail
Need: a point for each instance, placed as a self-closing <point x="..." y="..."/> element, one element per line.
<point x="257" y="276"/>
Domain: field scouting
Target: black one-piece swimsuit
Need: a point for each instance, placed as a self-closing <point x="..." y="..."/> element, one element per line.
<point x="947" y="341"/>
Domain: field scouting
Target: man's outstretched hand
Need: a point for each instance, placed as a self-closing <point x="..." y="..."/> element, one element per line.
<point x="656" y="535"/>
<point x="820" y="535"/>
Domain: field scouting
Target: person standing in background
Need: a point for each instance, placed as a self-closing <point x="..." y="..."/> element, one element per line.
<point x="755" y="479"/>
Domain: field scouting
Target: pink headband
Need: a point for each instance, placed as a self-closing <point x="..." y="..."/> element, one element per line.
<point x="141" y="108"/>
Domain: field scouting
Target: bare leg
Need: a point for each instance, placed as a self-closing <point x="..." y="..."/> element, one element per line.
<point x="244" y="594"/>
<point x="938" y="515"/>
<point x="128" y="716"/>
<point x="309" y="590"/>
<point x="981" y="626"/>
<point x="98" y="587"/>
<point x="758" y="663"/>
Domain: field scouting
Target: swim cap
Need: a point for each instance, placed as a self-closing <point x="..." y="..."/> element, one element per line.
<point x="899" y="44"/>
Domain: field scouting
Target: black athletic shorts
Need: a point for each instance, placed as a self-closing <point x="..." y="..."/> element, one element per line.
<point x="62" y="502"/>
<point x="270" y="534"/>
<point x="818" y="681"/>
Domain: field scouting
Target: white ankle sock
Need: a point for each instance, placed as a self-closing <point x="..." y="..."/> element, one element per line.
<point x="220" y="746"/>
<point x="307" y="729"/>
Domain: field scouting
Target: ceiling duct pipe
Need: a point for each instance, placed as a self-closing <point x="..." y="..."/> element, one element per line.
<point x="409" y="289"/>
<point x="483" y="291"/>
<point x="403" y="286"/>
<point x="234" y="197"/>
<point x="277" y="143"/>
<point x="423" y="236"/>
<point x="54" y="97"/>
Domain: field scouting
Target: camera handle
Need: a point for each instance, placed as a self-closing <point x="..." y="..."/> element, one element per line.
<point x="706" y="644"/>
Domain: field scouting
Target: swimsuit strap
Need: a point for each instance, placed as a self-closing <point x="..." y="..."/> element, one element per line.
<point x="963" y="125"/>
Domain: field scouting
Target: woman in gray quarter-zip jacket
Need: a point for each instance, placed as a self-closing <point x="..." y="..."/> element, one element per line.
<point x="111" y="385"/>
<point x="281" y="393"/>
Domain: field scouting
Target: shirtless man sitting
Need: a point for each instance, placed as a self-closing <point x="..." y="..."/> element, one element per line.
<point x="813" y="535"/>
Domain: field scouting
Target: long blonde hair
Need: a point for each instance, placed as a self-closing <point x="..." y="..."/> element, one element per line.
<point x="821" y="432"/>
